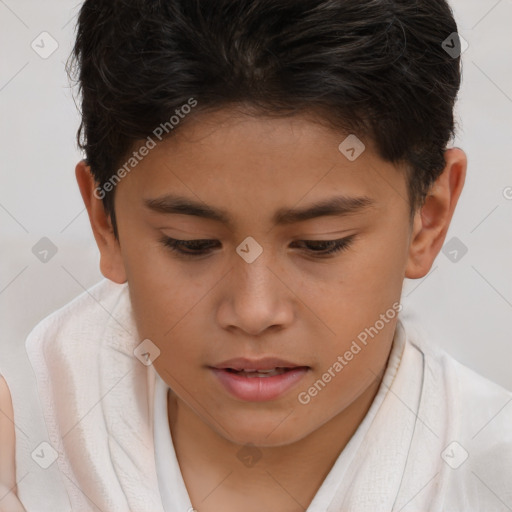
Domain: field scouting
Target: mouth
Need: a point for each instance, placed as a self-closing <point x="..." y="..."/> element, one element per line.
<point x="266" y="364"/>
<point x="252" y="373"/>
<point x="258" y="380"/>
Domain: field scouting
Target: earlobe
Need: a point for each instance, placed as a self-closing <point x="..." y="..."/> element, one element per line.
<point x="432" y="221"/>
<point x="111" y="262"/>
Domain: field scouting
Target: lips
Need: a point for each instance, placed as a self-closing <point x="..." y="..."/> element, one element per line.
<point x="248" y="365"/>
<point x="259" y="373"/>
<point x="258" y="380"/>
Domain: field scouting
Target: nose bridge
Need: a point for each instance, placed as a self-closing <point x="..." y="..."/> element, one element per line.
<point x="256" y="295"/>
<point x="255" y="277"/>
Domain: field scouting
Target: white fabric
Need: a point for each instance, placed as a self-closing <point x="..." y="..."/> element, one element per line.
<point x="98" y="399"/>
<point x="172" y="487"/>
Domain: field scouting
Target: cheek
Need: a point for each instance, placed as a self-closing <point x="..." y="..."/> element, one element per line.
<point x="159" y="292"/>
<point x="353" y="293"/>
<point x="166" y="299"/>
<point x="165" y="317"/>
<point x="331" y="392"/>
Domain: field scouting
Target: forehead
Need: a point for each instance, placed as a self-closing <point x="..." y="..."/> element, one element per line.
<point x="229" y="156"/>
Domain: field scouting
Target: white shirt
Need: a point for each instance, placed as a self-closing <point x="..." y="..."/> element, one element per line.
<point x="170" y="481"/>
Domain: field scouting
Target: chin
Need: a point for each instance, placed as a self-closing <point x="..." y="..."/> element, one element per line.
<point x="264" y="434"/>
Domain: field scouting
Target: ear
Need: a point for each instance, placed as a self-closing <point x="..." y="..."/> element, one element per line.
<point x="432" y="221"/>
<point x="111" y="262"/>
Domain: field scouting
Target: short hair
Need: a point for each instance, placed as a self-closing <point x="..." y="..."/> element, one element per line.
<point x="375" y="68"/>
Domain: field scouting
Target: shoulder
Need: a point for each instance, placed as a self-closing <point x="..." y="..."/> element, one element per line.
<point x="468" y="391"/>
<point x="475" y="412"/>
<point x="79" y="315"/>
<point x="461" y="379"/>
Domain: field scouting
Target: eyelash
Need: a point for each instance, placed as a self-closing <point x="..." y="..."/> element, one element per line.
<point x="175" y="245"/>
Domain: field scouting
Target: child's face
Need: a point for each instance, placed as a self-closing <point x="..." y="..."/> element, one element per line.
<point x="288" y="303"/>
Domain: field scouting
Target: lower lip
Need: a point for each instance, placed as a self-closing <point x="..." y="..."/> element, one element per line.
<point x="259" y="389"/>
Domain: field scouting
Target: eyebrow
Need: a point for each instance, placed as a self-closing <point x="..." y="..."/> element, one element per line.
<point x="336" y="206"/>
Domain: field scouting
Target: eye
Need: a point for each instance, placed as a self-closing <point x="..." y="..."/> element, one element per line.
<point x="321" y="248"/>
<point x="192" y="248"/>
<point x="200" y="247"/>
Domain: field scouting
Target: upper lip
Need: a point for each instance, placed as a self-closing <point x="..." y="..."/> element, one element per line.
<point x="267" y="363"/>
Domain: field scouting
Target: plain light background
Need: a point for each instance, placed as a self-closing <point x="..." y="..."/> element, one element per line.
<point x="464" y="306"/>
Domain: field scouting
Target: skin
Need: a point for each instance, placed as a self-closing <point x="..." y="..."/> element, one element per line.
<point x="9" y="501"/>
<point x="288" y="303"/>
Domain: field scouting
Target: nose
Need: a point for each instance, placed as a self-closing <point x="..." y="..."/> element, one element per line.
<point x="255" y="298"/>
